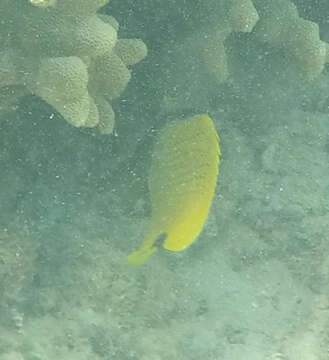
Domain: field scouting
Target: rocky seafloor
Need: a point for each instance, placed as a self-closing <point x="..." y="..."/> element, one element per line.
<point x="74" y="203"/>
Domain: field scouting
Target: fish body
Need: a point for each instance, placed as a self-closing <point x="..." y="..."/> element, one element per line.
<point x="182" y="182"/>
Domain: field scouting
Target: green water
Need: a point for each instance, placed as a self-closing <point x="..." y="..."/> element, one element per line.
<point x="74" y="203"/>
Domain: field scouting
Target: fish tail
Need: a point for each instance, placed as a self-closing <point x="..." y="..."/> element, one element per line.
<point x="140" y="256"/>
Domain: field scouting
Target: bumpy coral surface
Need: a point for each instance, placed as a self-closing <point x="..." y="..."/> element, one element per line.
<point x="68" y="55"/>
<point x="282" y="27"/>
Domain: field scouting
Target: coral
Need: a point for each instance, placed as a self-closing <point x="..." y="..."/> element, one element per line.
<point x="203" y="53"/>
<point x="263" y="252"/>
<point x="68" y="55"/>
<point x="280" y="26"/>
<point x="16" y="265"/>
<point x="272" y="22"/>
<point x="227" y="34"/>
<point x="234" y="16"/>
<point x="311" y="338"/>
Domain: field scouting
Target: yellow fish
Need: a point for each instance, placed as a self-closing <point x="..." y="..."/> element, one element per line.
<point x="182" y="182"/>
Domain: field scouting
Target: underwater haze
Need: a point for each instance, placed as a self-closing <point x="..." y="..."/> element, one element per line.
<point x="86" y="89"/>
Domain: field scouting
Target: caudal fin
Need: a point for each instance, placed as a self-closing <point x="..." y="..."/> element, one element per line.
<point x="140" y="256"/>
